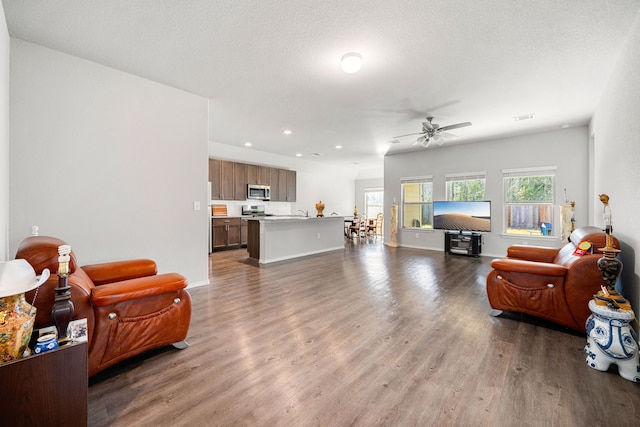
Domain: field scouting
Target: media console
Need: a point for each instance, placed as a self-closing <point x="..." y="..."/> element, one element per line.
<point x="463" y="243"/>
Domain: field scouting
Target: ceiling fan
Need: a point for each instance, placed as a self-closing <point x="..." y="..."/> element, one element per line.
<point x="433" y="132"/>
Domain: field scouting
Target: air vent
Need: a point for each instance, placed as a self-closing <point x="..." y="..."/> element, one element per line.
<point x="523" y="117"/>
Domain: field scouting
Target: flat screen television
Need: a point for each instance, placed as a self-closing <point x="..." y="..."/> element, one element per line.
<point x="462" y="216"/>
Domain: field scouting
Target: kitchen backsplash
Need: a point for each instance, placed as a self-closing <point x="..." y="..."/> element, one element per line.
<point x="234" y="207"/>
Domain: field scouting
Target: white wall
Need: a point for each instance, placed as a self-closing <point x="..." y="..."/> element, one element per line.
<point x="315" y="182"/>
<point x="107" y="161"/>
<point x="4" y="138"/>
<point x="615" y="130"/>
<point x="565" y="148"/>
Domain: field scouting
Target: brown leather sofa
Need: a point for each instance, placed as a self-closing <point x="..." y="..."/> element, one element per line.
<point x="552" y="284"/>
<point x="128" y="306"/>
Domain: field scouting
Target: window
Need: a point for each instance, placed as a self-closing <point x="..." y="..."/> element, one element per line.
<point x="373" y="204"/>
<point x="468" y="187"/>
<point x="528" y="201"/>
<point x="417" y="206"/>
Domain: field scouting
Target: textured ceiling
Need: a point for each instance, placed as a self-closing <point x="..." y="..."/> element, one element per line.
<point x="270" y="65"/>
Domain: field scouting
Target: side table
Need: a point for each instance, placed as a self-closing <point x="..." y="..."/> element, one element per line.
<point x="47" y="389"/>
<point x="611" y="340"/>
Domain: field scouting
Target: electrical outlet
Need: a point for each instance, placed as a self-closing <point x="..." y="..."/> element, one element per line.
<point x="318" y="236"/>
<point x="196" y="206"/>
<point x="417" y="235"/>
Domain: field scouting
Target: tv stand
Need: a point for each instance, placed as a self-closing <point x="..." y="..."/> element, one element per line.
<point x="463" y="243"/>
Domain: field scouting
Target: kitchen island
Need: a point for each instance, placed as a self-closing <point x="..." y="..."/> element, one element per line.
<point x="278" y="238"/>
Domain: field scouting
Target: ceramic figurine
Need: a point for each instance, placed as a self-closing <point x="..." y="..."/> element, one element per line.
<point x="610" y="340"/>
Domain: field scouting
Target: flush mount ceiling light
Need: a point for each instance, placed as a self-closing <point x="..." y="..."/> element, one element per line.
<point x="351" y="62"/>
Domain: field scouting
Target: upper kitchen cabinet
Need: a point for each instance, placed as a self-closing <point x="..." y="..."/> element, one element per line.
<point x="227" y="180"/>
<point x="215" y="178"/>
<point x="258" y="175"/>
<point x="274" y="179"/>
<point x="240" y="181"/>
<point x="291" y="186"/>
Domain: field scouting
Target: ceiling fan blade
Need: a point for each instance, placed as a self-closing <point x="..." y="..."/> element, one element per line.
<point x="456" y="126"/>
<point x="409" y="134"/>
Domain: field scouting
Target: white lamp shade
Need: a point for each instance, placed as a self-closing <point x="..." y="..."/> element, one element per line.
<point x="351" y="62"/>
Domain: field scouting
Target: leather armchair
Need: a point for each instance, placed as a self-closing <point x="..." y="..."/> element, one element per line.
<point x="128" y="306"/>
<point x="552" y="284"/>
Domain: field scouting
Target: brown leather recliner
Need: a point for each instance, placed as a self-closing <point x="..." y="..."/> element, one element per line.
<point x="128" y="306"/>
<point x="552" y="284"/>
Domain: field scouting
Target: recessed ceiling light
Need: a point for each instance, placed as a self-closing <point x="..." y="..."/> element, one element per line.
<point x="351" y="62"/>
<point x="315" y="154"/>
<point x="298" y="154"/>
<point x="564" y="126"/>
<point x="338" y="146"/>
<point x="354" y="163"/>
<point x="247" y="144"/>
<point x="287" y="132"/>
<point x="523" y="117"/>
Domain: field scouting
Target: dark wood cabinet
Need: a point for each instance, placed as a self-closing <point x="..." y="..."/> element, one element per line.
<point x="239" y="181"/>
<point x="229" y="180"/>
<point x="226" y="180"/>
<point x="244" y="230"/>
<point x="291" y="186"/>
<point x="226" y="233"/>
<point x="274" y="179"/>
<point x="258" y="175"/>
<point x="215" y="178"/>
<point x="47" y="389"/>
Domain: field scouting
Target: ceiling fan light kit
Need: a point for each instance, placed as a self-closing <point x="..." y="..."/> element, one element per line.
<point x="351" y="62"/>
<point x="433" y="132"/>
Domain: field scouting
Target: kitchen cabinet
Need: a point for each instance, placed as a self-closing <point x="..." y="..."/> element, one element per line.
<point x="244" y="231"/>
<point x="258" y="175"/>
<point x="227" y="179"/>
<point x="239" y="181"/>
<point x="226" y="233"/>
<point x="215" y="178"/>
<point x="291" y="186"/>
<point x="274" y="179"/>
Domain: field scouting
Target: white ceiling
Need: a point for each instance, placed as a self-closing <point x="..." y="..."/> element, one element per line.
<point x="270" y="65"/>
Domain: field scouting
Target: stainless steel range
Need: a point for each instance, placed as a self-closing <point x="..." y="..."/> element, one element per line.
<point x="253" y="210"/>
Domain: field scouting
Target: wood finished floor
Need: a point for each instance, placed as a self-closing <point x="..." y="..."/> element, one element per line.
<point x="368" y="336"/>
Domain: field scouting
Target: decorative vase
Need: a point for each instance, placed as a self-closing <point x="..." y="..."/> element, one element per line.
<point x="46" y="343"/>
<point x="320" y="208"/>
<point x="62" y="310"/>
<point x="610" y="267"/>
<point x="355" y="211"/>
<point x="16" y="325"/>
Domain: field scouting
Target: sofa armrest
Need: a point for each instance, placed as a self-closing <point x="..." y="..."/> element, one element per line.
<point x="532" y="253"/>
<point x="530" y="267"/>
<point x="134" y="289"/>
<point x="117" y="271"/>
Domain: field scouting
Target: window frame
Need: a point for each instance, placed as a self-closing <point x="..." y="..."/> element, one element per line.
<point x="529" y="172"/>
<point x="468" y="176"/>
<point x="427" y="179"/>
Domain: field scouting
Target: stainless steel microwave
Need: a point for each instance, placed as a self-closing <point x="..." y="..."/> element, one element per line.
<point x="258" y="192"/>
